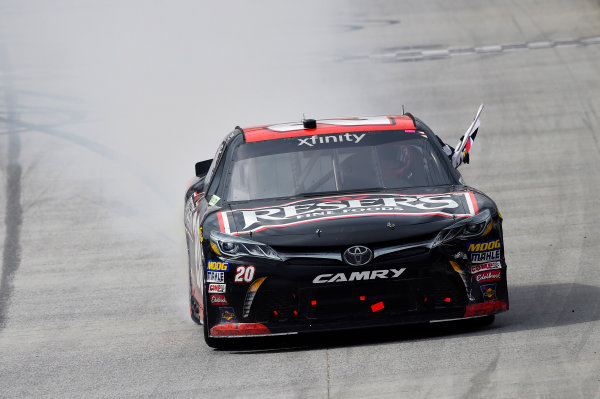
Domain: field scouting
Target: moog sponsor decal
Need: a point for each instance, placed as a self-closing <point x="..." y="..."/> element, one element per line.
<point x="339" y="207"/>
<point x="217" y="265"/>
<point x="483" y="246"/>
<point x="484" y="251"/>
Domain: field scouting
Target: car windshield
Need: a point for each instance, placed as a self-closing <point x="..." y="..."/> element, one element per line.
<point x="339" y="162"/>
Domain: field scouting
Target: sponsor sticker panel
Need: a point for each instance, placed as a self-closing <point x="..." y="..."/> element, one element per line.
<point x="493" y="275"/>
<point x="485" y="267"/>
<point x="215" y="277"/>
<point x="218" y="299"/>
<point x="227" y="315"/>
<point x="484" y="246"/>
<point x="489" y="292"/>
<point x="484" y="252"/>
<point x="214" y="288"/>
<point x="216" y="265"/>
<point x="487" y="256"/>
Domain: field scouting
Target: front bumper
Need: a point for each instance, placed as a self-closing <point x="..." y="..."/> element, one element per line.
<point x="431" y="288"/>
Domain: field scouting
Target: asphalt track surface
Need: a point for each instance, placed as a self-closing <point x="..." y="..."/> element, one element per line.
<point x="105" y="106"/>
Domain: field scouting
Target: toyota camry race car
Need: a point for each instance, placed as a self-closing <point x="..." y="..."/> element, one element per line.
<point x="337" y="224"/>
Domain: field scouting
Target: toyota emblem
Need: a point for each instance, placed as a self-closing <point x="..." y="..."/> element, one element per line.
<point x="358" y="255"/>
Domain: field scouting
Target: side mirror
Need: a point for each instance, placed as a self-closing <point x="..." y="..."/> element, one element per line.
<point x="203" y="167"/>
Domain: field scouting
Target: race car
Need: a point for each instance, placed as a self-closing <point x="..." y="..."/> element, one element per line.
<point x="336" y="224"/>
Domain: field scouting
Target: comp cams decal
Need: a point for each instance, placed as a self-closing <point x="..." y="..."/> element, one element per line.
<point x="357" y="276"/>
<point x="216" y="288"/>
<point x="346" y="206"/>
<point x="485" y="267"/>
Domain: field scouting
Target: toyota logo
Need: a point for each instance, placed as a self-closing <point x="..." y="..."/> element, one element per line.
<point x="358" y="255"/>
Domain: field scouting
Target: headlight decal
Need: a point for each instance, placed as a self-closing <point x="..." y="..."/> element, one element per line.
<point x="475" y="226"/>
<point x="234" y="247"/>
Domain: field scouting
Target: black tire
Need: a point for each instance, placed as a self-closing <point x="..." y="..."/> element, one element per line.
<point x="484" y="321"/>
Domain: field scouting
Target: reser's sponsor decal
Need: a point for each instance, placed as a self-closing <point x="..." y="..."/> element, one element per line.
<point x="218" y="299"/>
<point x="489" y="292"/>
<point x="215" y="277"/>
<point x="357" y="276"/>
<point x="484" y="246"/>
<point x="488" y="256"/>
<point x="227" y="315"/>
<point x="216" y="288"/>
<point x="341" y="138"/>
<point x="217" y="265"/>
<point x="347" y="206"/>
<point x="488" y="276"/>
<point x="485" y="267"/>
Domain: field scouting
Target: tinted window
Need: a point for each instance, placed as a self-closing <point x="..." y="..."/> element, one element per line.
<point x="339" y="162"/>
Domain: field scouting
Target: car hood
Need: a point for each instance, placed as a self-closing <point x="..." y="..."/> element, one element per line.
<point x="359" y="218"/>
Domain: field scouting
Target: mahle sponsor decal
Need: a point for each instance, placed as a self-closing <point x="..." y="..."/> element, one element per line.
<point x="488" y="256"/>
<point x="488" y="276"/>
<point x="216" y="288"/>
<point x="483" y="246"/>
<point x="215" y="277"/>
<point x="358" y="276"/>
<point x="485" y="267"/>
<point x="217" y="266"/>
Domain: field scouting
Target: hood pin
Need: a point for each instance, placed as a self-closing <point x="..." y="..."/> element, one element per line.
<point x="318" y="231"/>
<point x="391" y="225"/>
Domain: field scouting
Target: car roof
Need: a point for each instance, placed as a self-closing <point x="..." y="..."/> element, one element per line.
<point x="329" y="126"/>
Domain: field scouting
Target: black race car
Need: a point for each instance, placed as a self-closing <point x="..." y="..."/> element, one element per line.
<point x="339" y="224"/>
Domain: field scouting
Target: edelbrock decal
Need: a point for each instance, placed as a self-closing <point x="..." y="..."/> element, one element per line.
<point x="346" y="206"/>
<point x="357" y="276"/>
<point x="488" y="276"/>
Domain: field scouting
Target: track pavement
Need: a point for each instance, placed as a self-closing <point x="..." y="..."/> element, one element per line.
<point x="104" y="108"/>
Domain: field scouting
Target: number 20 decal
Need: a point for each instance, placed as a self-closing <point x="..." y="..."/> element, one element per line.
<point x="244" y="274"/>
